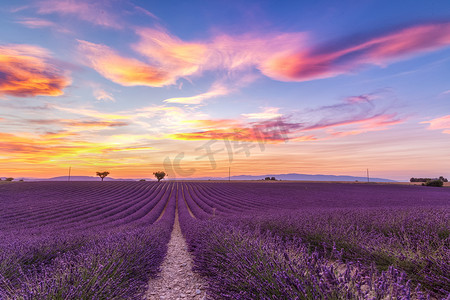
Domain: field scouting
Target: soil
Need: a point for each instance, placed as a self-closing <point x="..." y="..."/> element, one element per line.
<point x="177" y="280"/>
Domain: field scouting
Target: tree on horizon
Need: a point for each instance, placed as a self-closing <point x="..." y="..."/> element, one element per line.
<point x="160" y="175"/>
<point x="102" y="175"/>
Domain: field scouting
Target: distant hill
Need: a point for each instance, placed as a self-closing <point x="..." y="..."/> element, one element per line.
<point x="79" y="178"/>
<point x="295" y="176"/>
<point x="290" y="176"/>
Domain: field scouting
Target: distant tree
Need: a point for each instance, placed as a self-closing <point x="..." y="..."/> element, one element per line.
<point x="142" y="180"/>
<point x="102" y="175"/>
<point x="267" y="178"/>
<point x="273" y="178"/>
<point x="9" y="179"/>
<point x="441" y="178"/>
<point x="437" y="183"/>
<point x="160" y="175"/>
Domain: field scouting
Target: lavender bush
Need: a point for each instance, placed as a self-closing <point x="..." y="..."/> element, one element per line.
<point x="105" y="254"/>
<point x="365" y="242"/>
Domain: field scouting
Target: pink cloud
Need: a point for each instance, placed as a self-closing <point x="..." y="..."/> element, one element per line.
<point x="223" y="52"/>
<point x="312" y="64"/>
<point x="96" y="12"/>
<point x="280" y="56"/>
<point x="442" y="123"/>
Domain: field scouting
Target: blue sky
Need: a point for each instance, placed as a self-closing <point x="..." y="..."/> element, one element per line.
<point x="319" y="87"/>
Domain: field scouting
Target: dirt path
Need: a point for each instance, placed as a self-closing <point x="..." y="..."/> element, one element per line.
<point x="176" y="280"/>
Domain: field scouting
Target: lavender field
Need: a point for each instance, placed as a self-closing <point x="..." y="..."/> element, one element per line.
<point x="249" y="240"/>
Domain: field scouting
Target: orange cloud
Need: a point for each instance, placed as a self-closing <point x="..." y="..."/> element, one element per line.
<point x="281" y="56"/>
<point x="171" y="53"/>
<point x="96" y="123"/>
<point x="439" y="124"/>
<point x="380" y="50"/>
<point x="122" y="70"/>
<point x="26" y="70"/>
<point x="272" y="131"/>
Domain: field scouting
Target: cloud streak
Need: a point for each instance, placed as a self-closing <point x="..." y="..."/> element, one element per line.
<point x="27" y="70"/>
<point x="122" y="70"/>
<point x="96" y="12"/>
<point x="280" y="56"/>
<point x="355" y="115"/>
<point x="216" y="90"/>
<point x="380" y="50"/>
<point x="442" y="123"/>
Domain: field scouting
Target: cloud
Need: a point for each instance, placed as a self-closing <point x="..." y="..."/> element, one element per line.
<point x="103" y="95"/>
<point x="267" y="113"/>
<point x="278" y="55"/>
<point x="122" y="70"/>
<point x="232" y="53"/>
<point x="80" y="123"/>
<point x="442" y="123"/>
<point x="100" y="124"/>
<point x="27" y="70"/>
<point x="216" y="90"/>
<point x="351" y="117"/>
<point x="328" y="61"/>
<point x="272" y="131"/>
<point x="40" y="23"/>
<point x="96" y="12"/>
<point x="444" y="93"/>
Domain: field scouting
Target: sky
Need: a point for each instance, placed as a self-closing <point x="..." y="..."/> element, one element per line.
<point x="198" y="88"/>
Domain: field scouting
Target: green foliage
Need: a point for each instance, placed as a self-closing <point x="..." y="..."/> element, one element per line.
<point x="9" y="179"/>
<point x="441" y="178"/>
<point x="102" y="174"/>
<point x="437" y="183"/>
<point x="160" y="175"/>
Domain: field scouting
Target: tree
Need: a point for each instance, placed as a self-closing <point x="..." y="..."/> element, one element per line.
<point x="160" y="175"/>
<point x="103" y="174"/>
<point x="272" y="178"/>
<point x="9" y="179"/>
<point x="437" y="183"/>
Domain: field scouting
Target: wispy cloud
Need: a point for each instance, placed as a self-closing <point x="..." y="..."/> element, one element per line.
<point x="280" y="56"/>
<point x="27" y="70"/>
<point x="267" y="113"/>
<point x="96" y="12"/>
<point x="102" y="95"/>
<point x="41" y="23"/>
<point x="442" y="123"/>
<point x="122" y="70"/>
<point x="216" y="90"/>
<point x="445" y="93"/>
<point x="343" y="119"/>
<point x="329" y="60"/>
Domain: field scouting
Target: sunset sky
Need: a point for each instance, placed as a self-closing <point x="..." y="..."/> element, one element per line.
<point x="193" y="87"/>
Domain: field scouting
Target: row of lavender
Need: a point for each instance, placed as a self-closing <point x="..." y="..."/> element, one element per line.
<point x="328" y="241"/>
<point x="82" y="240"/>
